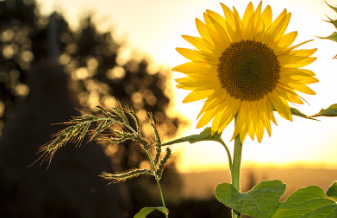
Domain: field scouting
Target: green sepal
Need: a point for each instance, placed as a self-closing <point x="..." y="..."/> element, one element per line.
<point x="332" y="7"/>
<point x="146" y="210"/>
<point x="331" y="111"/>
<point x="205" y="135"/>
<point x="334" y="22"/>
<point x="332" y="37"/>
<point x="332" y="191"/>
<point x="258" y="202"/>
<point x="307" y="203"/>
<point x="298" y="113"/>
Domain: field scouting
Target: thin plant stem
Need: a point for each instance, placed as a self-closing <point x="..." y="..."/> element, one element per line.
<point x="158" y="182"/>
<point x="235" y="172"/>
<point x="230" y="162"/>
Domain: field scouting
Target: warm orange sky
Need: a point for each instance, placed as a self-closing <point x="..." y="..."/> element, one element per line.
<point x="156" y="27"/>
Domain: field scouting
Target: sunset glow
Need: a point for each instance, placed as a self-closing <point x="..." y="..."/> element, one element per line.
<point x="155" y="28"/>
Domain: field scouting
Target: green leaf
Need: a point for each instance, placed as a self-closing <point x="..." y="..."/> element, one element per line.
<point x="205" y="135"/>
<point x="258" y="202"/>
<point x="298" y="113"/>
<point x="331" y="111"/>
<point x="147" y="210"/>
<point x="332" y="191"/>
<point x="307" y="202"/>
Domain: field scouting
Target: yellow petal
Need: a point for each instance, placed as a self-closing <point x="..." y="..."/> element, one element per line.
<point x="194" y="81"/>
<point x="309" y="80"/>
<point x="213" y="33"/>
<point x="255" y="113"/>
<point x="303" y="88"/>
<point x="269" y="109"/>
<point x="222" y="33"/>
<point x="233" y="26"/>
<point x="202" y="29"/>
<point x="208" y="115"/>
<point x="199" y="43"/>
<point x="309" y="72"/>
<point x="288" y="94"/>
<point x="191" y="68"/>
<point x="218" y="18"/>
<point x="274" y="31"/>
<point x="248" y="14"/>
<point x="294" y="72"/>
<point x="267" y="16"/>
<point x="259" y="8"/>
<point x="241" y="27"/>
<point x="287" y="39"/>
<point x="229" y="16"/>
<point x="251" y="131"/>
<point x="299" y="64"/>
<point x="218" y="97"/>
<point x="304" y="52"/>
<point x="266" y="122"/>
<point x="241" y="122"/>
<point x="285" y="26"/>
<point x="280" y="105"/>
<point x="259" y="131"/>
<point x="217" y="118"/>
<point x="229" y="114"/>
<point x="277" y="21"/>
<point x="197" y="95"/>
<point x="195" y="55"/>
<point x="286" y="59"/>
<point x="188" y="82"/>
<point x="295" y="46"/>
<point x="250" y="29"/>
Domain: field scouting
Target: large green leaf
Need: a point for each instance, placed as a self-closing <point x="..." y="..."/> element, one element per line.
<point x="205" y="135"/>
<point x="146" y="210"/>
<point x="331" y="111"/>
<point x="332" y="191"/>
<point x="258" y="203"/>
<point x="310" y="202"/>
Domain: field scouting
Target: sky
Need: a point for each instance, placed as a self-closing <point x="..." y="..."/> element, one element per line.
<point x="155" y="27"/>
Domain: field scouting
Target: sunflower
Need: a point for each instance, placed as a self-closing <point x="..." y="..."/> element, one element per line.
<point x="245" y="68"/>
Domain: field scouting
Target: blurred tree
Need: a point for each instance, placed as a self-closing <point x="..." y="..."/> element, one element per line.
<point x="18" y="25"/>
<point x="90" y="58"/>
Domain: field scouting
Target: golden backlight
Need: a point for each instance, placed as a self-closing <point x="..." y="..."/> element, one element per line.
<point x="156" y="27"/>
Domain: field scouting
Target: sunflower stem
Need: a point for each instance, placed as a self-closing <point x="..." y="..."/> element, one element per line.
<point x="235" y="172"/>
<point x="158" y="182"/>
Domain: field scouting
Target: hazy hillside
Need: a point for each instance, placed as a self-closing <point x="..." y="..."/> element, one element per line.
<point x="202" y="185"/>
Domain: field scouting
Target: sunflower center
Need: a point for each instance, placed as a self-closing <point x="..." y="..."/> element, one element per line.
<point x="248" y="70"/>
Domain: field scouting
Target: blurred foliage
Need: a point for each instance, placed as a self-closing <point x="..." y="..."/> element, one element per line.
<point x="18" y="27"/>
<point x="90" y="58"/>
